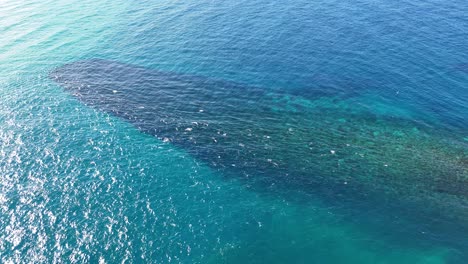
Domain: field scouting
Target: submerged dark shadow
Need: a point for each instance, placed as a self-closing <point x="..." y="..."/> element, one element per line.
<point x="289" y="145"/>
<point x="461" y="67"/>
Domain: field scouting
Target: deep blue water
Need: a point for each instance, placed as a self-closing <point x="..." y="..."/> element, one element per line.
<point x="234" y="132"/>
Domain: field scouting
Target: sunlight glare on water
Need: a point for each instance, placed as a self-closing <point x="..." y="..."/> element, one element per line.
<point x="233" y="132"/>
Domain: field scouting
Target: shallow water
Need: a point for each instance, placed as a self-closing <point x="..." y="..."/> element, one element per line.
<point x="345" y="132"/>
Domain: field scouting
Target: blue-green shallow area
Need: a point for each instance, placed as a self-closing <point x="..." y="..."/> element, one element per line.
<point x="81" y="185"/>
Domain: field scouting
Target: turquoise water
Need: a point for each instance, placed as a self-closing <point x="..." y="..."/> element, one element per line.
<point x="358" y="135"/>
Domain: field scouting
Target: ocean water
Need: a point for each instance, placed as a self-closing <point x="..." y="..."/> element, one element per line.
<point x="234" y="132"/>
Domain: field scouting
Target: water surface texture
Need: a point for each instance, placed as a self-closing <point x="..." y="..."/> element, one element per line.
<point x="236" y="132"/>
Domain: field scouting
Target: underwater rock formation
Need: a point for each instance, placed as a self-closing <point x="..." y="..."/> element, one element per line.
<point x="315" y="144"/>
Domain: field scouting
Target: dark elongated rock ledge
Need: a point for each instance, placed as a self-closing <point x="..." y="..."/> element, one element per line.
<point x="280" y="143"/>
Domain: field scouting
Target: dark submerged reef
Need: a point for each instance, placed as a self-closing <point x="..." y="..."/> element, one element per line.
<point x="317" y="143"/>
